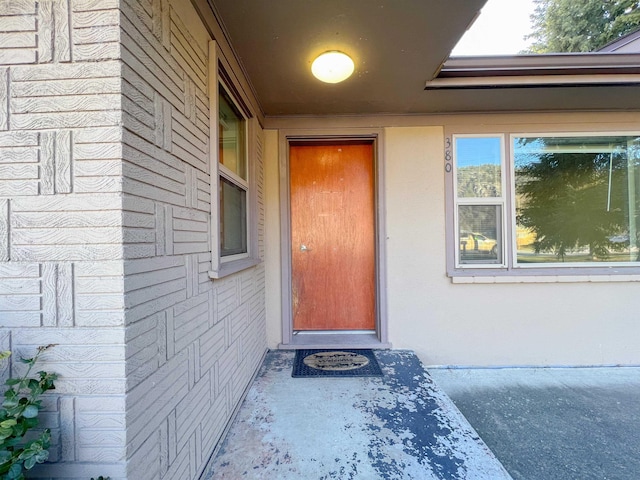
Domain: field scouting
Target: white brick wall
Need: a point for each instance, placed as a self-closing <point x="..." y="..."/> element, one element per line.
<point x="105" y="236"/>
<point x="61" y="225"/>
<point x="192" y="344"/>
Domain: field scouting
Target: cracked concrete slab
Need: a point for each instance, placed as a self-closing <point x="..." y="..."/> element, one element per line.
<point x="400" y="426"/>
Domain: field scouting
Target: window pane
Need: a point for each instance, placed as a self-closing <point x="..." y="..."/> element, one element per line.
<point x="479" y="233"/>
<point x="233" y="219"/>
<point x="577" y="199"/>
<point x="478" y="167"/>
<point x="231" y="131"/>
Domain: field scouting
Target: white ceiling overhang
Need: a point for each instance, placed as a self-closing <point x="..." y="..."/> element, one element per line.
<point x="400" y="48"/>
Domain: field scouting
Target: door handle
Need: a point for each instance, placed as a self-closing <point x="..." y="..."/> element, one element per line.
<point x="303" y="248"/>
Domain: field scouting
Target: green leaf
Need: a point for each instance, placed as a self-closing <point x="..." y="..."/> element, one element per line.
<point x="10" y="402"/>
<point x="13" y="441"/>
<point x="5" y="456"/>
<point x="30" y="412"/>
<point x="46" y="380"/>
<point x="30" y="422"/>
<point x="29" y="463"/>
<point x="26" y="454"/>
<point x="42" y="456"/>
<point x="15" y="472"/>
<point x="18" y="418"/>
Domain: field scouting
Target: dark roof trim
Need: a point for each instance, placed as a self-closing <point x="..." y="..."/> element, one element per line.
<point x="548" y="64"/>
<point x="621" y="43"/>
<point x="538" y="70"/>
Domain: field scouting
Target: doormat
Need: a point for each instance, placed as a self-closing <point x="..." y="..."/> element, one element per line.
<point x="336" y="363"/>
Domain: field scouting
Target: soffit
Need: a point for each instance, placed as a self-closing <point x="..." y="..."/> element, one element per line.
<point x="399" y="47"/>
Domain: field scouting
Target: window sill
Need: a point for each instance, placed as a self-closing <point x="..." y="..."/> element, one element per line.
<point x="483" y="279"/>
<point x="236" y="266"/>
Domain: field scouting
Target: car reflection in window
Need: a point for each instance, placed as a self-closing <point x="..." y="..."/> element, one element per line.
<point x="475" y="243"/>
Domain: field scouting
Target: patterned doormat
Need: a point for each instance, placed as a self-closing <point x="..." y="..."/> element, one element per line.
<point x="336" y="363"/>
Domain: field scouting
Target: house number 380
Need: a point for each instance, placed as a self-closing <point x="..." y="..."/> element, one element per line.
<point x="448" y="156"/>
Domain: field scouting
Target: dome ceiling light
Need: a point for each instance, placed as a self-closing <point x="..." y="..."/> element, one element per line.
<point x="332" y="67"/>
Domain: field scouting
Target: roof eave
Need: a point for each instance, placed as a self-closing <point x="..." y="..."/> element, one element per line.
<point x="538" y="70"/>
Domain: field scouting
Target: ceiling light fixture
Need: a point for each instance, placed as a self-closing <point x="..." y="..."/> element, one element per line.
<point x="332" y="67"/>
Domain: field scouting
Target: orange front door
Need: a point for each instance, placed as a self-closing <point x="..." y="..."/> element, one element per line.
<point x="332" y="236"/>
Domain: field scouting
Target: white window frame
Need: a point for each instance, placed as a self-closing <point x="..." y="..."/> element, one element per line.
<point x="222" y="266"/>
<point x="510" y="270"/>
<point x="481" y="201"/>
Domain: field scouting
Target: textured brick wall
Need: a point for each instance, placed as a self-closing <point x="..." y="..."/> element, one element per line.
<point x="105" y="236"/>
<point x="61" y="226"/>
<point x="192" y="343"/>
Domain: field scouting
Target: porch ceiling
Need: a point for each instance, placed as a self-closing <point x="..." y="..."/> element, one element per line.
<point x="398" y="47"/>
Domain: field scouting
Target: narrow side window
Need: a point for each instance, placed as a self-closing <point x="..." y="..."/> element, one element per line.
<point x="233" y="187"/>
<point x="479" y="200"/>
<point x="233" y="181"/>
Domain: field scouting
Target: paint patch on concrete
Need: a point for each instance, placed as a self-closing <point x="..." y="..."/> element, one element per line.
<point x="399" y="426"/>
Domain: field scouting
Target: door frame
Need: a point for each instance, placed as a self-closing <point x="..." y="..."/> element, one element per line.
<point x="379" y="338"/>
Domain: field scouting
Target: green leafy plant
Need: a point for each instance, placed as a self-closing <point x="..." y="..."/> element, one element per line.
<point x="19" y="416"/>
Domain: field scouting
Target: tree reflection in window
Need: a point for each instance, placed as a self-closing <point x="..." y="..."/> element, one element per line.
<point x="577" y="198"/>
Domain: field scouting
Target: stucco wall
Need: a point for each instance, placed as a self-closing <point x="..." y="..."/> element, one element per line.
<point x="61" y="226"/>
<point x="563" y="323"/>
<point x="497" y="324"/>
<point x="192" y="344"/>
<point x="272" y="239"/>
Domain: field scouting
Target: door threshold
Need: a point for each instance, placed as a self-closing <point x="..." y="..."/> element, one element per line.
<point x="334" y="340"/>
<point x="333" y="332"/>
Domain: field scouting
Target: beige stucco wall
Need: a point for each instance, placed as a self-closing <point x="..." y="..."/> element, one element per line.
<point x="580" y="323"/>
<point x="506" y="324"/>
<point x="272" y="239"/>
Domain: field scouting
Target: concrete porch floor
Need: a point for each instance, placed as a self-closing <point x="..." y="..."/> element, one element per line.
<point x="400" y="426"/>
<point x="553" y="423"/>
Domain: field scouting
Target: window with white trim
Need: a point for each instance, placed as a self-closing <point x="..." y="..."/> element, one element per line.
<point x="233" y="190"/>
<point x="480" y="200"/>
<point x="544" y="202"/>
